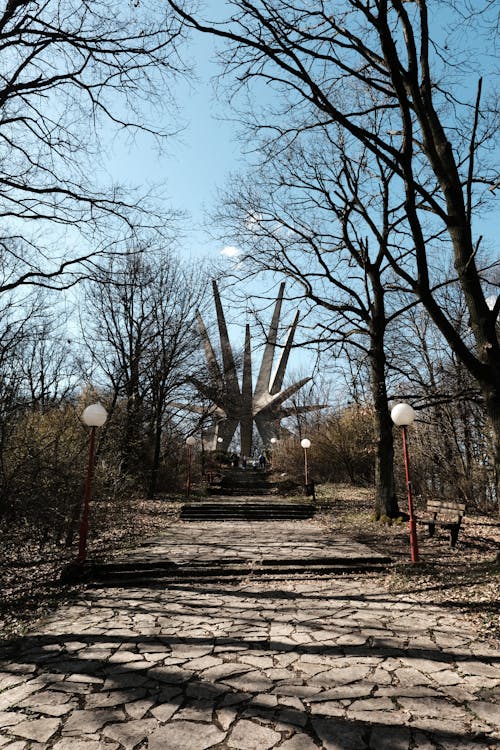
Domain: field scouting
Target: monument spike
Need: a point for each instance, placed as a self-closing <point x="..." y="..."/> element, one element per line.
<point x="292" y="410"/>
<point x="195" y="408"/>
<point x="212" y="364"/>
<point x="246" y="381"/>
<point x="246" y="421"/>
<point x="279" y="373"/>
<point x="230" y="375"/>
<point x="226" y="430"/>
<point x="212" y="391"/>
<point x="278" y="399"/>
<point x="266" y="367"/>
<point x="267" y="428"/>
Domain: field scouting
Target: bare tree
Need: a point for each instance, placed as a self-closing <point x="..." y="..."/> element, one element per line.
<point x="398" y="63"/>
<point x="47" y="362"/>
<point x="35" y="375"/>
<point x="314" y="214"/>
<point x="175" y="348"/>
<point x="141" y="332"/>
<point x="70" y="72"/>
<point x="16" y="317"/>
<point x="452" y="442"/>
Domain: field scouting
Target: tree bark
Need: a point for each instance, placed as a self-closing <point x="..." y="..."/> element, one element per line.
<point x="386" y="503"/>
<point x="492" y="399"/>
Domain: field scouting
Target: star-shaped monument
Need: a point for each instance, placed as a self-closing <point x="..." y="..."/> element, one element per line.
<point x="232" y="405"/>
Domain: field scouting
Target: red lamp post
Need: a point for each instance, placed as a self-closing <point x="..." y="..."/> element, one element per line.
<point x="403" y="415"/>
<point x="273" y="442"/>
<point x="306" y="443"/>
<point x="93" y="416"/>
<point x="189" y="442"/>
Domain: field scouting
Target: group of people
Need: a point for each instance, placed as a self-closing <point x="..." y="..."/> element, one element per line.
<point x="255" y="463"/>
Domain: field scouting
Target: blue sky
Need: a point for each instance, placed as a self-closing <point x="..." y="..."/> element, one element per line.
<point x="198" y="160"/>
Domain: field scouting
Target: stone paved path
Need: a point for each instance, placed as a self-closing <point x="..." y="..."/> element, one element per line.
<point x="293" y="664"/>
<point x="196" y="542"/>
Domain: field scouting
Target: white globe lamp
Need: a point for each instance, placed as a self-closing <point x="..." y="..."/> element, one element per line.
<point x="402" y="415"/>
<point x="95" y="415"/>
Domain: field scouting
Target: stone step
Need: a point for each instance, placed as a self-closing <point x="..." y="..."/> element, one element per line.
<point x="260" y="482"/>
<point x="307" y="511"/>
<point x="246" y="478"/>
<point x="249" y="519"/>
<point x="147" y="573"/>
<point x="247" y="503"/>
<point x="240" y="519"/>
<point x="246" y="511"/>
<point x="248" y="473"/>
<point x="236" y="492"/>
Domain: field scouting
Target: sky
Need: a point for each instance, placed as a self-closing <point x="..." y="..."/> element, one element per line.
<point x="195" y="165"/>
<point x="198" y="161"/>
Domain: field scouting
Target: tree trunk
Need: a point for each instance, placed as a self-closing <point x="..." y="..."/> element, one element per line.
<point x="492" y="398"/>
<point x="386" y="503"/>
<point x="153" y="480"/>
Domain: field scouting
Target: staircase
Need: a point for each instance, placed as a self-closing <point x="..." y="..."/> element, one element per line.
<point x="244" y="510"/>
<point x="189" y="556"/>
<point x="243" y="482"/>
<point x="245" y="495"/>
<point x="154" y="573"/>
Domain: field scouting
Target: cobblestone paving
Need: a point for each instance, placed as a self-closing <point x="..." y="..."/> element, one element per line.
<point x="254" y="664"/>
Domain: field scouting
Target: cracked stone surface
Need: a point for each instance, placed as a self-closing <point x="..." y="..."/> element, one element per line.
<point x="292" y="662"/>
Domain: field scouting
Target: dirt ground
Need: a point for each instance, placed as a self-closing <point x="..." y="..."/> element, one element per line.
<point x="466" y="578"/>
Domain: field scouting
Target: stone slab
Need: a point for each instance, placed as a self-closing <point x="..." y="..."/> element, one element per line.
<point x="337" y="662"/>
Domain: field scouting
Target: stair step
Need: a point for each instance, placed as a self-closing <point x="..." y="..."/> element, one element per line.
<point x="281" y="569"/>
<point x="234" y="577"/>
<point x="229" y="492"/>
<point x="246" y="510"/>
<point x="247" y="517"/>
<point x="245" y="514"/>
<point x="243" y="504"/>
<point x="254" y="480"/>
<point x="223" y="511"/>
<point x="249" y="512"/>
<point x="243" y="519"/>
<point x="235" y="519"/>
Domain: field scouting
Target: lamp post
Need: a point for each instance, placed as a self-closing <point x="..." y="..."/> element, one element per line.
<point x="93" y="416"/>
<point x="273" y="442"/>
<point x="306" y="443"/>
<point x="403" y="415"/>
<point x="190" y="441"/>
<point x="218" y="447"/>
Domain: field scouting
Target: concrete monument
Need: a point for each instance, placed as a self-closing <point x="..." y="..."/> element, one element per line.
<point x="232" y="405"/>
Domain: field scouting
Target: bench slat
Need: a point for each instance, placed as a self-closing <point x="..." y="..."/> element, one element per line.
<point x="445" y="506"/>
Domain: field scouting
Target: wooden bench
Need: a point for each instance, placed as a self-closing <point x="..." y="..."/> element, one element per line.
<point x="445" y="513"/>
